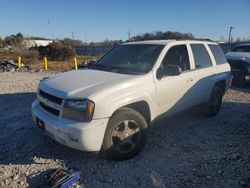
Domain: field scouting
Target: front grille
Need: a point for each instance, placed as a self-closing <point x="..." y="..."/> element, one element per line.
<point x="49" y="103"/>
<point x="238" y="67"/>
<point x="50" y="110"/>
<point x="237" y="64"/>
<point x="50" y="97"/>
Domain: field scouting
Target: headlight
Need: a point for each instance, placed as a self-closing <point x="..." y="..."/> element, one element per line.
<point x="78" y="110"/>
<point x="247" y="78"/>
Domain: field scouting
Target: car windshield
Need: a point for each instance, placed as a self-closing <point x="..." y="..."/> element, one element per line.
<point x="129" y="59"/>
<point x="241" y="49"/>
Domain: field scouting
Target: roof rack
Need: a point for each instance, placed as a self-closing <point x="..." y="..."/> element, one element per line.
<point x="194" y="39"/>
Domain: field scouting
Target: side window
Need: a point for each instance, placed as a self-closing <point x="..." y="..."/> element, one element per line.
<point x="177" y="55"/>
<point x="201" y="56"/>
<point x="218" y="54"/>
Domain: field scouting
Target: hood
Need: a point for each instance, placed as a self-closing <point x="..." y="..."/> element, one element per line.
<point x="244" y="56"/>
<point x="81" y="83"/>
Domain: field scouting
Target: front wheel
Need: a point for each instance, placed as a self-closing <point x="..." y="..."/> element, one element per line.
<point x="125" y="135"/>
<point x="215" y="101"/>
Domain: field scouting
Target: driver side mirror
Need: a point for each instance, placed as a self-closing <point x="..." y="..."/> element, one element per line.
<point x="169" y="70"/>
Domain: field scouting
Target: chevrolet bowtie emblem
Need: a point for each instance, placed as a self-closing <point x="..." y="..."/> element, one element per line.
<point x="46" y="102"/>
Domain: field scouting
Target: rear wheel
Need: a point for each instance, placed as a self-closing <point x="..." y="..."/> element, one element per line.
<point x="215" y="101"/>
<point x="125" y="135"/>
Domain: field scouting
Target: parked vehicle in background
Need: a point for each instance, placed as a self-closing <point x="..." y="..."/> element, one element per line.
<point x="110" y="105"/>
<point x="239" y="60"/>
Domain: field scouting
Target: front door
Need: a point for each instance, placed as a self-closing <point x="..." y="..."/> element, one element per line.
<point x="176" y="93"/>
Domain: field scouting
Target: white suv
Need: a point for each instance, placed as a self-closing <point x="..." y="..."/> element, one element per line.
<point x="109" y="105"/>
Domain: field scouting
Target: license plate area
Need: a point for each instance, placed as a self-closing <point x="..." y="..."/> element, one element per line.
<point x="40" y="123"/>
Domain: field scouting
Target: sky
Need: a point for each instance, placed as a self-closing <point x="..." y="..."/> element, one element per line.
<point x="97" y="20"/>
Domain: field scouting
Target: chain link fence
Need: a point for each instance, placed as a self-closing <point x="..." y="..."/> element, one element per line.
<point x="92" y="50"/>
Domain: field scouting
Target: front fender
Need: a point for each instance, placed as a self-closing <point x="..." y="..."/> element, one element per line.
<point x="111" y="98"/>
<point x="105" y="108"/>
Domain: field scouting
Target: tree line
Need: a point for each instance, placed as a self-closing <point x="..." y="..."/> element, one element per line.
<point x="63" y="49"/>
<point x="159" y="35"/>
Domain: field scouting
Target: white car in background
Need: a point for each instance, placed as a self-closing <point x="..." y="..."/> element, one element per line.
<point x="110" y="105"/>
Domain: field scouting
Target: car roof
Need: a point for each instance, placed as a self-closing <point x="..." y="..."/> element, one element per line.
<point x="160" y="42"/>
<point x="246" y="44"/>
<point x="165" y="42"/>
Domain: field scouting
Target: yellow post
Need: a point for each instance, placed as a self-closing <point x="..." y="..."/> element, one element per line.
<point x="19" y="62"/>
<point x="45" y="63"/>
<point x="75" y="61"/>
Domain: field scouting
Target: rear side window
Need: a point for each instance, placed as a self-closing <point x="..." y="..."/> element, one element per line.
<point x="201" y="56"/>
<point x="218" y="54"/>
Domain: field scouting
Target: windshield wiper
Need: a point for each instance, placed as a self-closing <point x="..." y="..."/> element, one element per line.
<point x="114" y="69"/>
<point x="125" y="71"/>
<point x="99" y="67"/>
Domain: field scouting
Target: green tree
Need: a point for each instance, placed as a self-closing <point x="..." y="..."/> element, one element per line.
<point x="56" y="51"/>
<point x="1" y="42"/>
<point x="14" y="40"/>
<point x="71" y="42"/>
<point x="159" y="35"/>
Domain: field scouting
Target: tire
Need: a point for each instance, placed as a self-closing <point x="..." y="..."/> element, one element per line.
<point x="215" y="101"/>
<point x="125" y="135"/>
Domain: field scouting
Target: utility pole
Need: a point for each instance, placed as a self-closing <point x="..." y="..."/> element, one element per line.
<point x="85" y="36"/>
<point x="49" y="31"/>
<point x="230" y="32"/>
<point x="73" y="35"/>
<point x="129" y="35"/>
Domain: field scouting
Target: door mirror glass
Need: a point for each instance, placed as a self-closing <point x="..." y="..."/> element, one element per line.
<point x="171" y="70"/>
<point x="159" y="73"/>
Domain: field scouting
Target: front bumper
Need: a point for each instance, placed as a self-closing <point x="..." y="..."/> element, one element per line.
<point x="88" y="136"/>
<point x="241" y="77"/>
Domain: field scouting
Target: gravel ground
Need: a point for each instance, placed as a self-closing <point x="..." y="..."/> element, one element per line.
<point x="186" y="150"/>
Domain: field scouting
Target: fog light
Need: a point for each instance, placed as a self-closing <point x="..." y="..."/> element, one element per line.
<point x="247" y="78"/>
<point x="73" y="137"/>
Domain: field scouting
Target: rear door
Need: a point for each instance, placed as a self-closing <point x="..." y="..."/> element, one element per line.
<point x="204" y="71"/>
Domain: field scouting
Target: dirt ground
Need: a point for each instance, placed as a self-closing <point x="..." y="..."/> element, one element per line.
<point x="38" y="64"/>
<point x="187" y="150"/>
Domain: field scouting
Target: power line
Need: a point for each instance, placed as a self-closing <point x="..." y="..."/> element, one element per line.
<point x="221" y="31"/>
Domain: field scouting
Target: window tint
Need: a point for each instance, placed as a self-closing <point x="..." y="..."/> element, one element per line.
<point x="177" y="55"/>
<point x="206" y="56"/>
<point x="218" y="54"/>
<point x="201" y="56"/>
<point x="130" y="59"/>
